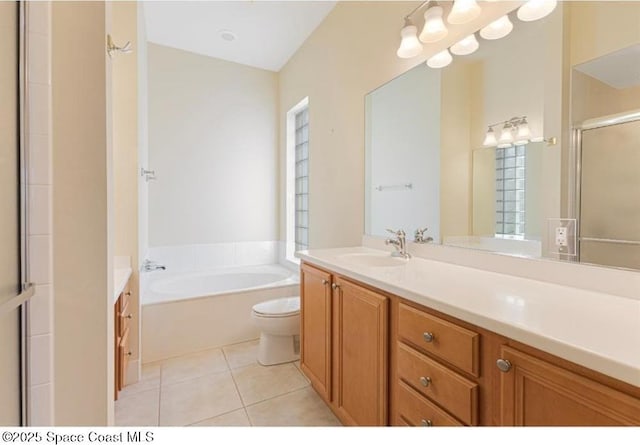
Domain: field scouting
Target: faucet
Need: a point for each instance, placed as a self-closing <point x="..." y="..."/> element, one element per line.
<point x="400" y="243"/>
<point x="419" y="237"/>
<point x="148" y="266"/>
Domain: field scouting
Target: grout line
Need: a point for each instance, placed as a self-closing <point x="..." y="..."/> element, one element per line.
<point x="279" y="395"/>
<point x="160" y="396"/>
<point x="246" y="413"/>
<point x="235" y="384"/>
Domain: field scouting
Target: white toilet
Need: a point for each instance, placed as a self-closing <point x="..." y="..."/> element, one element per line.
<point x="279" y="323"/>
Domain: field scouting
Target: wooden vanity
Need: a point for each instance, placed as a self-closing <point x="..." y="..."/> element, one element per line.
<point x="122" y="327"/>
<point x="377" y="358"/>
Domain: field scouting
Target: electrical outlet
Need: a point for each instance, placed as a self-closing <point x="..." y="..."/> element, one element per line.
<point x="561" y="237"/>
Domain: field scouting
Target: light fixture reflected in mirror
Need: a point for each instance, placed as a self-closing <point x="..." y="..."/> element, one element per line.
<point x="410" y="46"/>
<point x="490" y="139"/>
<point x="497" y="29"/>
<point x="466" y="46"/>
<point x="463" y="11"/>
<point x="536" y="9"/>
<point x="434" y="28"/>
<point x="506" y="136"/>
<point x="515" y="131"/>
<point x="440" y="60"/>
<point x="524" y="133"/>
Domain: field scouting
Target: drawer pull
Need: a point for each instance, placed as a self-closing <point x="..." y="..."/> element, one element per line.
<point x="335" y="286"/>
<point x="425" y="381"/>
<point x="324" y="282"/>
<point x="503" y="365"/>
<point x="130" y="316"/>
<point x="128" y="293"/>
<point x="424" y="422"/>
<point x="428" y="336"/>
<point x="129" y="353"/>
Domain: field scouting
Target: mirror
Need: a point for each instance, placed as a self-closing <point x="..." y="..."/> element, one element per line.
<point x="427" y="163"/>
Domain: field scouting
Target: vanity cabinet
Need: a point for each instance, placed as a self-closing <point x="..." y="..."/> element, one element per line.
<point x="344" y="330"/>
<point x="123" y="316"/>
<point x="535" y="392"/>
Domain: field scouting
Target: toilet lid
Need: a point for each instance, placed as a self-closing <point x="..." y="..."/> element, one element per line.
<point x="278" y="308"/>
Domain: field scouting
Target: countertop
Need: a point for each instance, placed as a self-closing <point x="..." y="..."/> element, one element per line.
<point x="120" y="277"/>
<point x="596" y="330"/>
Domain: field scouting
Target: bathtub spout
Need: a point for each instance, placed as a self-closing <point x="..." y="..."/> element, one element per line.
<point x="148" y="266"/>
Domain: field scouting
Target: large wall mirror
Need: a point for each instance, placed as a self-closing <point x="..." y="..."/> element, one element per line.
<point x="530" y="146"/>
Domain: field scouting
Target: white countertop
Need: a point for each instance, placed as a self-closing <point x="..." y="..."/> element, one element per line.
<point x="120" y="277"/>
<point x="596" y="330"/>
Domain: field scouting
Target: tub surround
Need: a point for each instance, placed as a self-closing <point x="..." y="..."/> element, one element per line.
<point x="121" y="273"/>
<point x="564" y="321"/>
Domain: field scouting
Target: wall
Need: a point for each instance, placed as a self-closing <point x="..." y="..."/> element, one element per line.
<point x="212" y="139"/>
<point x="336" y="67"/>
<point x="143" y="135"/>
<point x="592" y="98"/>
<point x="82" y="225"/>
<point x="404" y="148"/>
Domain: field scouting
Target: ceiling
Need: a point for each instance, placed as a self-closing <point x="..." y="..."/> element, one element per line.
<point x="267" y="33"/>
<point x="620" y="69"/>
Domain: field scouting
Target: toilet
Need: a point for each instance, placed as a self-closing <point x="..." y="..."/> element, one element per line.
<point x="279" y="324"/>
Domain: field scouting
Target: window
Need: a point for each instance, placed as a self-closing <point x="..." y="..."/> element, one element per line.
<point x="510" y="191"/>
<point x="297" y="179"/>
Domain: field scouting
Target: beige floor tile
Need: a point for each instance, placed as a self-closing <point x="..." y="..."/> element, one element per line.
<point x="298" y="408"/>
<point x="198" y="399"/>
<point x="150" y="379"/>
<point x="234" y="418"/>
<point x="140" y="409"/>
<point x="257" y="383"/>
<point x="193" y="365"/>
<point x="242" y="354"/>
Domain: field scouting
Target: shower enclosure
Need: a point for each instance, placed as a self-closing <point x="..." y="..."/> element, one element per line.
<point x="608" y="190"/>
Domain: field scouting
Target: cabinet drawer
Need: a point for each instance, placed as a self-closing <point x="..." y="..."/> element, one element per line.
<point x="452" y="343"/>
<point x="125" y="296"/>
<point x="125" y="317"/>
<point x="447" y="388"/>
<point x="124" y="354"/>
<point x="416" y="410"/>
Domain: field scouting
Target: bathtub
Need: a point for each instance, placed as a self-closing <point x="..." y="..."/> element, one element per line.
<point x="192" y="311"/>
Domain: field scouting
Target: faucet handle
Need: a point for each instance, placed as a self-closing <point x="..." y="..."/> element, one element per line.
<point x="419" y="236"/>
<point x="398" y="233"/>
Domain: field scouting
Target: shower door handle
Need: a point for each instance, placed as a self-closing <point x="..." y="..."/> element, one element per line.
<point x="14" y="302"/>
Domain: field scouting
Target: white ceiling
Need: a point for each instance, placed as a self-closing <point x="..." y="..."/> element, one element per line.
<point x="620" y="69"/>
<point x="267" y="33"/>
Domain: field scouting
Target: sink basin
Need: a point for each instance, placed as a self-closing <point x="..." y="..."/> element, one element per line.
<point x="373" y="260"/>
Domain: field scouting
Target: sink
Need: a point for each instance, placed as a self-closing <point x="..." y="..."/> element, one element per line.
<point x="373" y="260"/>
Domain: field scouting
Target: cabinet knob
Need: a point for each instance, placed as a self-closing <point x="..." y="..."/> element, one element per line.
<point x="424" y="422"/>
<point x="129" y="353"/>
<point x="503" y="365"/>
<point x="130" y="316"/>
<point x="325" y="282"/>
<point x="128" y="293"/>
<point x="335" y="286"/>
<point x="428" y="336"/>
<point x="425" y="381"/>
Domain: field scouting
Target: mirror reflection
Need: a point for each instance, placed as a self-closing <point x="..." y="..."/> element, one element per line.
<point x="482" y="152"/>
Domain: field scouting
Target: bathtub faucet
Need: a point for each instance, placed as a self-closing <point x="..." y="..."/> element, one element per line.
<point x="148" y="266"/>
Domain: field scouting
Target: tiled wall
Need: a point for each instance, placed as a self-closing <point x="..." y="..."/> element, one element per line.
<point x="39" y="228"/>
<point x="197" y="257"/>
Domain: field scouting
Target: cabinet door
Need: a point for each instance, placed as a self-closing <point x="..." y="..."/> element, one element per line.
<point x="315" y="328"/>
<point x="534" y="392"/>
<point x="361" y="347"/>
<point x="123" y="360"/>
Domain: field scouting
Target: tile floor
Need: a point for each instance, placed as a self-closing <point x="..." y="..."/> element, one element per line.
<point x="222" y="387"/>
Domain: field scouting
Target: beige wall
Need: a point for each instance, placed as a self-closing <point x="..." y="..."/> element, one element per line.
<point x="336" y="67"/>
<point x="592" y="98"/>
<point x="125" y="152"/>
<point x="212" y="142"/>
<point x="82" y="226"/>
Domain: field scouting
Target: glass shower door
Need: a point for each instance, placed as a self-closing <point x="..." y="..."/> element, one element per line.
<point x="11" y="296"/>
<point x="609" y="195"/>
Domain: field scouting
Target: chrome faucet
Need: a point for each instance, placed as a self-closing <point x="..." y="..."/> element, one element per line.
<point x="148" y="266"/>
<point x="420" y="238"/>
<point x="400" y="243"/>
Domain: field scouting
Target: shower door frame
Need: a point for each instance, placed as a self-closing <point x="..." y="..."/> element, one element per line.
<point x="27" y="289"/>
<point x="576" y="154"/>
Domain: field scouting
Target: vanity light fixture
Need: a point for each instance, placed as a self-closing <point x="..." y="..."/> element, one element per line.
<point x="490" y="139"/>
<point x="410" y="46"/>
<point x="515" y="131"/>
<point x="506" y="137"/>
<point x="497" y="29"/>
<point x="536" y="9"/>
<point x="466" y="46"/>
<point x="524" y="133"/>
<point x="463" y="11"/>
<point x="434" y="28"/>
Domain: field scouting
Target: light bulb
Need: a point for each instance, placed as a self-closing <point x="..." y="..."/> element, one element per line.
<point x="497" y="29"/>
<point x="466" y="46"/>
<point x="434" y="27"/>
<point x="536" y="9"/>
<point x="524" y="133"/>
<point x="506" y="137"/>
<point x="463" y="11"/>
<point x="440" y="60"/>
<point x="410" y="46"/>
<point x="490" y="139"/>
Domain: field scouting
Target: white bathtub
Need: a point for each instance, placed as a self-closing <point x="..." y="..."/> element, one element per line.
<point x="192" y="311"/>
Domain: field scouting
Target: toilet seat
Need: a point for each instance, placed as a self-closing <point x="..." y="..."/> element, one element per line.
<point x="281" y="307"/>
